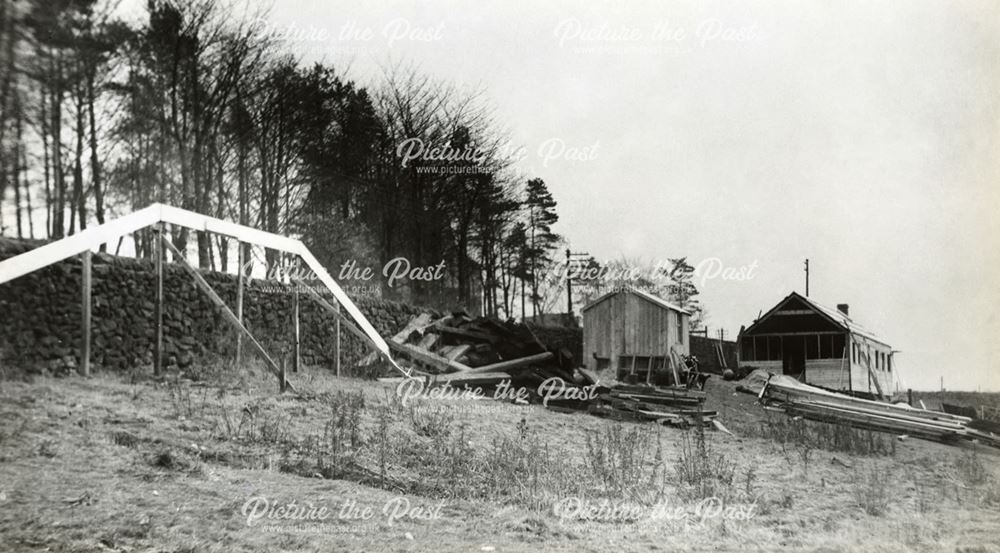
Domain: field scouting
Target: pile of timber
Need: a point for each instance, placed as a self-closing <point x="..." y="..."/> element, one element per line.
<point x="459" y="350"/>
<point x="785" y="394"/>
<point x="674" y="406"/>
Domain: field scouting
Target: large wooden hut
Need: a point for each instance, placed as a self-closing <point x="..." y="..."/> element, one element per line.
<point x="635" y="333"/>
<point x="820" y="346"/>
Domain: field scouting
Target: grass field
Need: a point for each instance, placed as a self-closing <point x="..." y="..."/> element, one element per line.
<point x="126" y="463"/>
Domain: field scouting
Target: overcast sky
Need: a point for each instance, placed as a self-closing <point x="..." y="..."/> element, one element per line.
<point x="861" y="135"/>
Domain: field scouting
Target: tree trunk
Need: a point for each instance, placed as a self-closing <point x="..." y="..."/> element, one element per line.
<point x="27" y="192"/>
<point x="59" y="213"/>
<point x="45" y="163"/>
<point x="95" y="164"/>
<point x="79" y="198"/>
<point x="16" y="167"/>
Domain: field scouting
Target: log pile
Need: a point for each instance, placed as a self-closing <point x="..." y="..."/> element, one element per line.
<point x="458" y="350"/>
<point x="785" y="394"/>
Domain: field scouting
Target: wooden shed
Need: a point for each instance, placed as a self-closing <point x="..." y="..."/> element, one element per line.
<point x="635" y="333"/>
<point x="820" y="346"/>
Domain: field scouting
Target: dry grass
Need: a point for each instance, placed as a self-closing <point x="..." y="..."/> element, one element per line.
<point x="872" y="490"/>
<point x="799" y="437"/>
<point x="130" y="463"/>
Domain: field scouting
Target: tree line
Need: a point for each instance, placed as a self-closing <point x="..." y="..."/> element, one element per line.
<point x="196" y="107"/>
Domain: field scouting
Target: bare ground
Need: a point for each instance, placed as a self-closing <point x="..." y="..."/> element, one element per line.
<point x="125" y="463"/>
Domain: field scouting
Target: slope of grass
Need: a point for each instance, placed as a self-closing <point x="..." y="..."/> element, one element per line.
<point x="125" y="463"/>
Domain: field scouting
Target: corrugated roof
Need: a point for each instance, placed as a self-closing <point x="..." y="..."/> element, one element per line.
<point x="642" y="294"/>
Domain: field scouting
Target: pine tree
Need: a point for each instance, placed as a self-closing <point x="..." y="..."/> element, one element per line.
<point x="682" y="290"/>
<point x="541" y="215"/>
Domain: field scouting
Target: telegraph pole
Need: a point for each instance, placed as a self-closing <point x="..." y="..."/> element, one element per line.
<point x="569" y="285"/>
<point x="569" y="279"/>
<point x="807" y="278"/>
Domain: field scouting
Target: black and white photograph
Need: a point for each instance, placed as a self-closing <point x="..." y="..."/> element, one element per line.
<point x="499" y="276"/>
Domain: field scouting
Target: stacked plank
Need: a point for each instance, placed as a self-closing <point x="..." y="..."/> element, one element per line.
<point x="671" y="406"/>
<point x="783" y="393"/>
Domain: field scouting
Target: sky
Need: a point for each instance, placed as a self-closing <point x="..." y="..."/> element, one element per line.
<point x="863" y="136"/>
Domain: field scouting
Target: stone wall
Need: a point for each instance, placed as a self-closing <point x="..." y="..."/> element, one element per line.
<point x="40" y="316"/>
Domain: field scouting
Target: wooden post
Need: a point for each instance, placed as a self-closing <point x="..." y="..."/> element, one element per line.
<point x="909" y="396"/>
<point x="158" y="252"/>
<point x="85" y="349"/>
<point x="229" y="315"/>
<point x="335" y="311"/>
<point x="674" y="368"/>
<point x="295" y="312"/>
<point x="239" y="301"/>
<point x="338" y="340"/>
<point x="282" y="381"/>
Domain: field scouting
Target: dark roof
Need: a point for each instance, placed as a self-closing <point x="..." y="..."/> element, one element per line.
<point x="834" y="315"/>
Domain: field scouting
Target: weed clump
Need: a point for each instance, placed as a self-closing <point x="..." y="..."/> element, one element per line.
<point x="703" y="473"/>
<point x="871" y="491"/>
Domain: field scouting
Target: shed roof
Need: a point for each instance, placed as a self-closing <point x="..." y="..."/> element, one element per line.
<point x="834" y="315"/>
<point x="642" y="294"/>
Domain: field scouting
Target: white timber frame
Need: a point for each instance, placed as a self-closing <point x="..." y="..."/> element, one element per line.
<point x="92" y="238"/>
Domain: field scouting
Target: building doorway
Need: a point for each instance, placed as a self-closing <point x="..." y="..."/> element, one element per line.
<point x="793" y="356"/>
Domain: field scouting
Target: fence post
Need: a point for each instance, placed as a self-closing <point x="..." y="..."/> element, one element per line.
<point x="282" y="383"/>
<point x="158" y="252"/>
<point x="338" y="341"/>
<point x="239" y="301"/>
<point x="86" y="285"/>
<point x="295" y="308"/>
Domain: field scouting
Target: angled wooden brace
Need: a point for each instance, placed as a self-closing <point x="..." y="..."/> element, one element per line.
<point x="230" y="316"/>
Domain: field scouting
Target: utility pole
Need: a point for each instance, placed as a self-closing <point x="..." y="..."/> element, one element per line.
<point x="807" y="278"/>
<point x="569" y="286"/>
<point x="569" y="279"/>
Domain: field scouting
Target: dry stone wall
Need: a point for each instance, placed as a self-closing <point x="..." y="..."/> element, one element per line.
<point x="40" y="316"/>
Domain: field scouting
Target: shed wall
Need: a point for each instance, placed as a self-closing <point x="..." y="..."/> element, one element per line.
<point x="627" y="325"/>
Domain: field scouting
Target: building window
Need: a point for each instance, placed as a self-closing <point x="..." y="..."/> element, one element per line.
<point x="774" y="348"/>
<point x="839" y="343"/>
<point x="746" y="349"/>
<point x="812" y="346"/>
<point x="680" y="328"/>
<point x="888" y="362"/>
